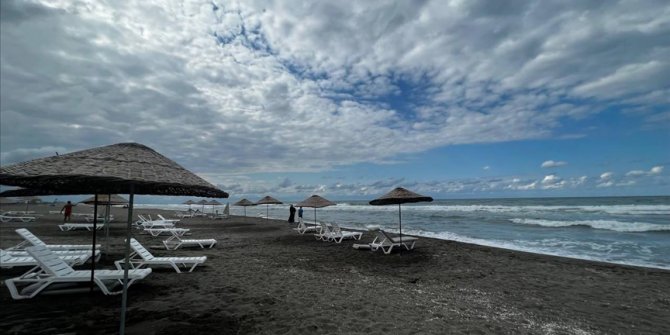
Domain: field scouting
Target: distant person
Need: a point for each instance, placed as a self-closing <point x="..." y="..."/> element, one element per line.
<point x="300" y="213"/>
<point x="67" y="210"/>
<point x="291" y="216"/>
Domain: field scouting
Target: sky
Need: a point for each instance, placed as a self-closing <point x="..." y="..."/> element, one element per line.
<point x="349" y="99"/>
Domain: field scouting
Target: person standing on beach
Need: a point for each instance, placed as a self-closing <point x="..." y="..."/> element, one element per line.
<point x="300" y="213"/>
<point x="291" y="216"/>
<point x="68" y="211"/>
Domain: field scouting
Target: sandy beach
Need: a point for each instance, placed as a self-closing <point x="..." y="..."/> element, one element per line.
<point x="264" y="278"/>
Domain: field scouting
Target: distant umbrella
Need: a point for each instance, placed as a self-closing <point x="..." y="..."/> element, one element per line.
<point x="213" y="203"/>
<point x="202" y="202"/>
<point x="189" y="203"/>
<point x="399" y="196"/>
<point x="316" y="202"/>
<point x="268" y="200"/>
<point x="108" y="200"/>
<point x="244" y="203"/>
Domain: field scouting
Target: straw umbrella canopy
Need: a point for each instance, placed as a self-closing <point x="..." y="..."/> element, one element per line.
<point x="267" y="201"/>
<point x="202" y="202"/>
<point x="213" y="203"/>
<point x="315" y="201"/>
<point x="108" y="200"/>
<point x="399" y="196"/>
<point x="244" y="203"/>
<point x="189" y="203"/>
<point x="126" y="168"/>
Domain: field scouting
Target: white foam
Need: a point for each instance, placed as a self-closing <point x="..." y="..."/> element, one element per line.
<point x="609" y="209"/>
<point x="597" y="224"/>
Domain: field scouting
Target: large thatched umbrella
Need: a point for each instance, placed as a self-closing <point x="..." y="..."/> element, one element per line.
<point x="244" y="203"/>
<point x="316" y="202"/>
<point x="126" y="168"/>
<point x="267" y="201"/>
<point x="399" y="196"/>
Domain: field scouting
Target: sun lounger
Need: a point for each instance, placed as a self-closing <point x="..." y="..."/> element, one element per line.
<point x="171" y="231"/>
<point x="89" y="218"/>
<point x="8" y="218"/>
<point x="76" y="226"/>
<point x="30" y="239"/>
<point x="8" y="260"/>
<point x="146" y="223"/>
<point x="325" y="233"/>
<point x="161" y="218"/>
<point x="387" y="243"/>
<point x="175" y="242"/>
<point x="60" y="253"/>
<point x="337" y="234"/>
<point x="54" y="271"/>
<point x="141" y="257"/>
<point x="303" y="228"/>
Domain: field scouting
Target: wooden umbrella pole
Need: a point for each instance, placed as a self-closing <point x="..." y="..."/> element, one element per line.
<point x="400" y="224"/>
<point x="95" y="226"/>
<point x="126" y="263"/>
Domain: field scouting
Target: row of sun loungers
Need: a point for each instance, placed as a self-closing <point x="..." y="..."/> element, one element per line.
<point x="334" y="233"/>
<point x="52" y="264"/>
<point x="78" y="226"/>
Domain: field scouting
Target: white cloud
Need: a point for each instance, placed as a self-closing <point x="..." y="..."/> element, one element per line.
<point x="285" y="86"/>
<point x="486" y="168"/>
<point x="550" y="164"/>
<point x="656" y="170"/>
<point x="639" y="173"/>
<point x="606" y="175"/>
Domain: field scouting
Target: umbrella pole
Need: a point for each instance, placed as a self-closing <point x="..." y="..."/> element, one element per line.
<point x="267" y="212"/>
<point x="314" y="216"/>
<point x="400" y="224"/>
<point x="126" y="263"/>
<point x="95" y="227"/>
<point x="107" y="216"/>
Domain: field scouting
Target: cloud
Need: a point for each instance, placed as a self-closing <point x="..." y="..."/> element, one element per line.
<point x="606" y="175"/>
<point x="283" y="86"/>
<point x="656" y="170"/>
<point x="486" y="168"/>
<point x="550" y="164"/>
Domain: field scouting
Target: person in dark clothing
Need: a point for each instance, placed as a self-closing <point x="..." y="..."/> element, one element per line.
<point x="291" y="216"/>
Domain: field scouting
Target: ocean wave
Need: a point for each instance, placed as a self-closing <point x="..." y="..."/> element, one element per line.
<point x="608" y="209"/>
<point x="597" y="224"/>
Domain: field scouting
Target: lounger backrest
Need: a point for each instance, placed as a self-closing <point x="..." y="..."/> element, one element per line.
<point x="49" y="262"/>
<point x="140" y="250"/>
<point x="5" y="257"/>
<point x="383" y="238"/>
<point x="28" y="236"/>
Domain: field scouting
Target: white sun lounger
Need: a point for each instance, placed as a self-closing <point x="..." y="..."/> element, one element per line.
<point x="167" y="220"/>
<point x="337" y="234"/>
<point x="7" y="218"/>
<point x="303" y="228"/>
<point x="31" y="239"/>
<point x="76" y="226"/>
<point x="60" y="253"/>
<point x="325" y="233"/>
<point x="175" y="242"/>
<point x="141" y="256"/>
<point x="53" y="270"/>
<point x="146" y="223"/>
<point x="387" y="243"/>
<point x="8" y="260"/>
<point x="172" y="231"/>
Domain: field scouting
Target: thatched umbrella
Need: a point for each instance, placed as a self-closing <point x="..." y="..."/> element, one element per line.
<point x="189" y="203"/>
<point x="213" y="203"/>
<point x="244" y="203"/>
<point x="202" y="202"/>
<point x="108" y="200"/>
<point x="399" y="196"/>
<point x="267" y="201"/>
<point x="316" y="202"/>
<point x="126" y="168"/>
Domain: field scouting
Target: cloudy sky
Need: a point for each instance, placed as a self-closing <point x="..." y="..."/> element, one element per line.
<point x="348" y="99"/>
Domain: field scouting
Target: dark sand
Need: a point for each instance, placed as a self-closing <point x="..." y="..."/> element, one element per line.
<point x="264" y="278"/>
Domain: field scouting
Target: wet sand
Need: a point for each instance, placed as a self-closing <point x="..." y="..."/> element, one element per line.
<point x="265" y="278"/>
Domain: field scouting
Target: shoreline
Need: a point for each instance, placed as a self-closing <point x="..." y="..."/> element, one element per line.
<point x="264" y="278"/>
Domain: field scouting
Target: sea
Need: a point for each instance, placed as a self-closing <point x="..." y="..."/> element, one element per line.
<point x="621" y="230"/>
